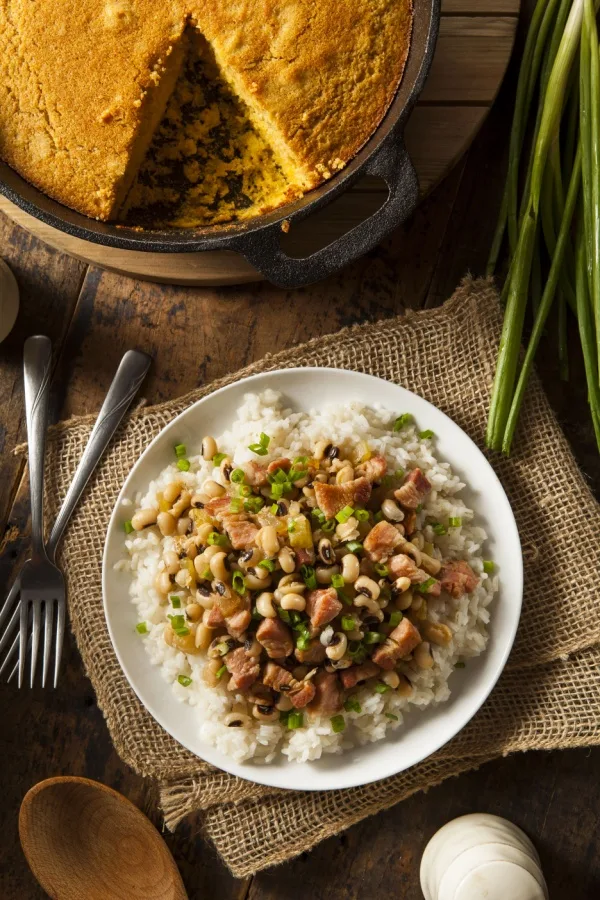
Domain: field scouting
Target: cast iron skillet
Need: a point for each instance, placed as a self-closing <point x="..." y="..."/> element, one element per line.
<point x="258" y="239"/>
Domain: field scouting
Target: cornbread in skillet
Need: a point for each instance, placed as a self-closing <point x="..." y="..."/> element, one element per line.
<point x="297" y="88"/>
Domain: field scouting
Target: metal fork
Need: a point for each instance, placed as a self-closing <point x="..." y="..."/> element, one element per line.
<point x="126" y="383"/>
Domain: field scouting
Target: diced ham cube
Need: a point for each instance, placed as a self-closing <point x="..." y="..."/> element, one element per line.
<point x="355" y="674"/>
<point x="282" y="681"/>
<point x="237" y="624"/>
<point x="304" y="557"/>
<point x="402" y="641"/>
<point x="244" y="669"/>
<point x="322" y="605"/>
<point x="255" y="474"/>
<point x="402" y="566"/>
<point x="413" y="490"/>
<point x="215" y="618"/>
<point x="314" y="654"/>
<point x="241" y="531"/>
<point x="329" y="696"/>
<point x="275" y="637"/>
<point x="381" y="540"/>
<point x="373" y="469"/>
<point x="332" y="498"/>
<point x="458" y="578"/>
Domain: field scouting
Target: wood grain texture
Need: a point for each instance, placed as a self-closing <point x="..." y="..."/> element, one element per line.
<point x="196" y="334"/>
<point x="474" y="46"/>
<point x="83" y="839"/>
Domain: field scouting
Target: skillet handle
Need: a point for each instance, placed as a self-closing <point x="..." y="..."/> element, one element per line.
<point x="263" y="250"/>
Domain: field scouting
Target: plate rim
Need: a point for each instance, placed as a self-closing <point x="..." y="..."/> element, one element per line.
<point x="259" y="773"/>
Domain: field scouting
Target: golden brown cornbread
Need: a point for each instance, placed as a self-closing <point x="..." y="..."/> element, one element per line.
<point x="84" y="83"/>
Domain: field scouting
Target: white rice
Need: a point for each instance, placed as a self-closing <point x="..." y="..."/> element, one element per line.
<point x="295" y="434"/>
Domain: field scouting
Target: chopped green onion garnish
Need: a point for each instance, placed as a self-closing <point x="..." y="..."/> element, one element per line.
<point x="402" y="421"/>
<point x="183" y="465"/>
<point x="220" y="672"/>
<point x="354" y="546"/>
<point x="238" y="583"/>
<point x="237" y="476"/>
<point x="207" y="574"/>
<point x="378" y="516"/>
<point x="309" y="577"/>
<point x="337" y="581"/>
<point x="438" y="528"/>
<point x="236" y="505"/>
<point x="343" y="596"/>
<point x="424" y="587"/>
<point x="459" y="665"/>
<point x="267" y="564"/>
<point x="362" y="515"/>
<point x="395" y="618"/>
<point x="424" y="435"/>
<point x="319" y="516"/>
<point x="301" y="460"/>
<point x="128" y="527"/>
<point x="296" y="474"/>
<point x="261" y="448"/>
<point x="180" y="451"/>
<point x="303" y="641"/>
<point x="184" y="680"/>
<point x="348" y="623"/>
<point x="295" y="719"/>
<point x="244" y="490"/>
<point x="352" y="705"/>
<point x="141" y="628"/>
<point x="291" y="526"/>
<point x="175" y="601"/>
<point x="488" y="566"/>
<point x="178" y="625"/>
<point x="255" y="614"/>
<point x="214" y="538"/>
<point x="399" y="473"/>
<point x="391" y="716"/>
<point x="258" y="449"/>
<point x="381" y="569"/>
<point x="254" y="504"/>
<point x="218" y="458"/>
<point x="338" y="723"/>
<point x="344" y="514"/>
<point x="455" y="521"/>
<point x="328" y="526"/>
<point x="357" y="652"/>
<point x="382" y="688"/>
<point x="274" y="509"/>
<point x="373" y="637"/>
<point x="284" y="614"/>
<point x="276" y="491"/>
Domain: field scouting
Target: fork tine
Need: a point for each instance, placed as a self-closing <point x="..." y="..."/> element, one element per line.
<point x="9" y="629"/>
<point x="23" y="640"/>
<point x="11" y="652"/>
<point x="60" y="631"/>
<point x="9" y="601"/>
<point x="36" y="626"/>
<point x="16" y="665"/>
<point x="49" y="621"/>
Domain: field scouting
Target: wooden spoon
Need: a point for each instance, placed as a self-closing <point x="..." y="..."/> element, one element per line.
<point x="84" y="840"/>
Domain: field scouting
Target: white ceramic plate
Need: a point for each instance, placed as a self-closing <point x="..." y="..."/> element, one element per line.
<point x="424" y="732"/>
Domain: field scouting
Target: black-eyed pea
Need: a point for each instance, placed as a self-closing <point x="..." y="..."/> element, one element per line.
<point x="171" y="561"/>
<point x="143" y="518"/>
<point x="184" y="525"/>
<point x="203" y="637"/>
<point x="172" y="491"/>
<point x="404" y="688"/>
<point x="166" y="523"/>
<point x="422" y="656"/>
<point x="287" y="560"/>
<point x="212" y="488"/>
<point x="209" y="447"/>
<point x="163" y="583"/>
<point x="180" y="505"/>
<point x="437" y="633"/>
<point x="194" y="611"/>
<point x="392" y="679"/>
<point x="218" y="566"/>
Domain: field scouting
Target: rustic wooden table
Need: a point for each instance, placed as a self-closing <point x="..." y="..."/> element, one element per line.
<point x="198" y="334"/>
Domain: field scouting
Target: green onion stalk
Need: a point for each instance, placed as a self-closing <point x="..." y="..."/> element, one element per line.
<point x="560" y="197"/>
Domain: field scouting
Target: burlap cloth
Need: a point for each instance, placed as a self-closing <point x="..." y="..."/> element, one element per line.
<point x="548" y="696"/>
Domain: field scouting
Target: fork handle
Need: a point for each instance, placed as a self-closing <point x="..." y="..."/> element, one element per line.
<point x="125" y="385"/>
<point x="36" y="371"/>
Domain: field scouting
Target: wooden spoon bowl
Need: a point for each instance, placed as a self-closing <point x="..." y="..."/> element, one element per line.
<point x="84" y="840"/>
